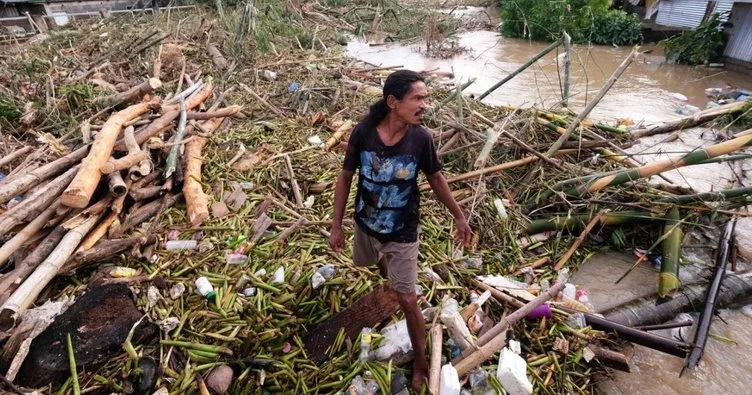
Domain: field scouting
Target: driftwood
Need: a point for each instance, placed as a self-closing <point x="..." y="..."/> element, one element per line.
<point x="688" y="121"/>
<point x="125" y="162"/>
<point x="197" y="203"/>
<point x="144" y="167"/>
<point x="12" y="245"/>
<point x="146" y="192"/>
<point x="23" y="183"/>
<point x="27" y="293"/>
<point x="143" y="213"/>
<point x="156" y="127"/>
<point x="192" y="101"/>
<point x="104" y="249"/>
<point x="221" y="113"/>
<point x="82" y="187"/>
<point x="217" y="58"/>
<point x="132" y="94"/>
<point x="14" y="155"/>
<point x="36" y="203"/>
<point x="10" y="281"/>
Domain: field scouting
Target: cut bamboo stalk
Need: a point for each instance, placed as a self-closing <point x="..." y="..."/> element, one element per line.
<point x="192" y="101"/>
<point x="495" y="339"/>
<point x="492" y="136"/>
<point x="580" y="220"/>
<point x="126" y="162"/>
<point x="338" y="135"/>
<point x="688" y="121"/>
<point x="434" y="372"/>
<point x="23" y="183"/>
<point x="145" y="193"/>
<point x="581" y="238"/>
<point x="95" y="235"/>
<point x="668" y="282"/>
<point x="12" y="245"/>
<point x="10" y="281"/>
<point x="521" y="68"/>
<point x="708" y="196"/>
<point x="36" y="203"/>
<point x="80" y="190"/>
<point x="221" y="113"/>
<point x="27" y="293"/>
<point x="665" y="165"/>
<point x="294" y="183"/>
<point x="591" y="105"/>
<point x="173" y="155"/>
<point x="301" y="222"/>
<point x="131" y="94"/>
<point x="116" y="184"/>
<point x="14" y="155"/>
<point x="196" y="201"/>
<point x="117" y="203"/>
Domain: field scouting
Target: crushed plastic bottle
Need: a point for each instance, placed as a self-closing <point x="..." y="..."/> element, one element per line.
<point x="452" y="320"/>
<point x="235" y="259"/>
<point x="365" y="344"/>
<point x="322" y="274"/>
<point x="395" y="339"/>
<point x="279" y="276"/>
<point x="180" y="245"/>
<point x="205" y="288"/>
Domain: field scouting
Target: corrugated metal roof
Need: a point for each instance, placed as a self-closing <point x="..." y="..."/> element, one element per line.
<point x="723" y="6"/>
<point x="740" y="35"/>
<point x="681" y="13"/>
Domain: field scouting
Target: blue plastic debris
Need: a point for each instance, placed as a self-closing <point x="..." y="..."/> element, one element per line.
<point x="293" y="87"/>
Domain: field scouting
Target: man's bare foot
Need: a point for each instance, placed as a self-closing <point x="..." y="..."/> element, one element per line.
<point x="420" y="375"/>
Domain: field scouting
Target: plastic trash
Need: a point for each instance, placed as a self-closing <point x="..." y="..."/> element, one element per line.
<point x="515" y="346"/>
<point x="499" y="204"/>
<point x="429" y="313"/>
<point x="205" y="288"/>
<point x="679" y="96"/>
<point x="279" y="276"/>
<point x="260" y="272"/>
<point x="472" y="262"/>
<point x="177" y="291"/>
<point x="576" y="321"/>
<point x="450" y="381"/>
<point x="399" y="384"/>
<point x="452" y="320"/>
<point x="570" y="291"/>
<point x="316" y="141"/>
<point x="270" y="75"/>
<point x="180" y="245"/>
<point x="365" y="344"/>
<point x="248" y="292"/>
<point x="454" y="350"/>
<point x="322" y="274"/>
<point x="235" y="259"/>
<point x="478" y="379"/>
<point x="512" y="373"/>
<point x="247" y="185"/>
<point x="205" y="246"/>
<point x="394" y="339"/>
<point x="309" y="201"/>
<point x="168" y="324"/>
<point x="242" y="281"/>
<point x="293" y="87"/>
<point x="541" y="311"/>
<point x="430" y="273"/>
<point x="122" y="272"/>
<point x="359" y="386"/>
<point x="153" y="296"/>
<point x="173" y="235"/>
<point x="747" y="310"/>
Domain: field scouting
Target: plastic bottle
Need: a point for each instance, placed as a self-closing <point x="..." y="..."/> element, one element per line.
<point x="450" y="381"/>
<point x="205" y="288"/>
<point x="235" y="259"/>
<point x="570" y="291"/>
<point x="177" y="245"/>
<point x="452" y="320"/>
<point x="365" y="344"/>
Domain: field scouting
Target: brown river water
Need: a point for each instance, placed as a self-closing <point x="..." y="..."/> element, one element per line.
<point x="649" y="91"/>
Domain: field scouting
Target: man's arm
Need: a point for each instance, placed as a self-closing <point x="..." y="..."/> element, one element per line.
<point x="341" y="193"/>
<point x="441" y="189"/>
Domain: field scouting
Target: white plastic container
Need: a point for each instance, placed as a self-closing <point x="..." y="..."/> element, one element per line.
<point x="450" y="381"/>
<point x="205" y="288"/>
<point x="499" y="204"/>
<point x="177" y="245"/>
<point x="512" y="373"/>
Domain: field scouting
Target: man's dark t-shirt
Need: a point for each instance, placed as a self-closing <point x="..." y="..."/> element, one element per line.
<point x="387" y="200"/>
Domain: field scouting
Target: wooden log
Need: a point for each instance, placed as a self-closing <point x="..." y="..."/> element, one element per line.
<point x="217" y="58"/>
<point x="23" y="183"/>
<point x="369" y="310"/>
<point x="143" y="213"/>
<point x="10" y="281"/>
<point x="157" y="126"/>
<point x="280" y="240"/>
<point x="197" y="203"/>
<point x="221" y="113"/>
<point x="126" y="162"/>
<point x="27" y="293"/>
<point x="611" y="359"/>
<point x="103" y="250"/>
<point x="80" y="190"/>
<point x="33" y="205"/>
<point x="293" y="182"/>
<point x="7" y="159"/>
<point x="131" y="94"/>
<point x="146" y="192"/>
<point x="495" y="339"/>
<point x="12" y="245"/>
<point x="434" y="372"/>
<point x="192" y="101"/>
<point x="98" y="232"/>
<point x="341" y="131"/>
<point x="689" y="121"/>
<point x="144" y="167"/>
<point x="591" y="105"/>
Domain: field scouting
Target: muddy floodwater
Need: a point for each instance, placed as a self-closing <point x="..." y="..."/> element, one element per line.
<point x="650" y="91"/>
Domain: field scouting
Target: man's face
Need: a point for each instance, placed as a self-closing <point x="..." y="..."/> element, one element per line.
<point x="412" y="107"/>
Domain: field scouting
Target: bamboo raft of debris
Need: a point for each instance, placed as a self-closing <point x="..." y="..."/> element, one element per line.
<point x="197" y="168"/>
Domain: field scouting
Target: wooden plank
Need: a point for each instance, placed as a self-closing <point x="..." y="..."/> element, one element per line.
<point x="369" y="310"/>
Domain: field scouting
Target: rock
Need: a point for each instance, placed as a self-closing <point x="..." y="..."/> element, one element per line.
<point x="220" y="379"/>
<point x="98" y="322"/>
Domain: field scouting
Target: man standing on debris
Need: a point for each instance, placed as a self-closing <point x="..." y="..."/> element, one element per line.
<point x="389" y="148"/>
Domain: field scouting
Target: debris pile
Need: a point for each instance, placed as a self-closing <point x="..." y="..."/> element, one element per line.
<point x="193" y="160"/>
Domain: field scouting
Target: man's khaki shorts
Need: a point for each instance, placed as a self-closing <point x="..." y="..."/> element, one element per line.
<point x="401" y="259"/>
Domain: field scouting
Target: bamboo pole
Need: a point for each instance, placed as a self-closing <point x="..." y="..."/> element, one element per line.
<point x="23" y="183"/>
<point x="434" y="373"/>
<point x="338" y="135"/>
<point x="221" y="113"/>
<point x="591" y="105"/>
<point x="708" y="196"/>
<point x="131" y="94"/>
<point x="95" y="235"/>
<point x="449" y="98"/>
<point x="577" y="221"/>
<point x="492" y="136"/>
<point x="676" y="162"/>
<point x="12" y="245"/>
<point x="27" y="293"/>
<point x="14" y="155"/>
<point x="36" y="203"/>
<point x="565" y="258"/>
<point x="521" y="68"/>
<point x="192" y="101"/>
<point x="294" y="183"/>
<point x="495" y="339"/>
<point x="688" y="121"/>
<point x="10" y="281"/>
<point x="173" y="155"/>
<point x="567" y="69"/>
<point x="668" y="283"/>
<point x="82" y="187"/>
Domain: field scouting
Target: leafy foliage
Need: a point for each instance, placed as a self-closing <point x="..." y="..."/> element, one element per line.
<point x="583" y="20"/>
<point x="617" y="28"/>
<point x="700" y="46"/>
<point x="9" y="111"/>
